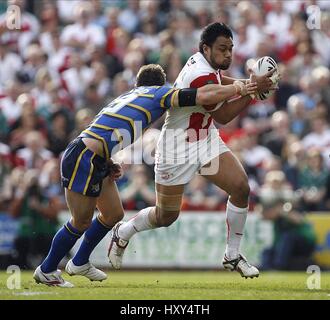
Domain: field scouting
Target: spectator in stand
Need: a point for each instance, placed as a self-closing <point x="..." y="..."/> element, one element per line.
<point x="321" y="38"/>
<point x="138" y="193"/>
<point x="5" y="168"/>
<point x="36" y="59"/>
<point x="34" y="155"/>
<point x="10" y="64"/>
<point x="148" y="34"/>
<point x="254" y="153"/>
<point x="58" y="54"/>
<point x="82" y="119"/>
<point x="201" y="196"/>
<point x="117" y="42"/>
<point x="4" y="128"/>
<point x="294" y="238"/>
<point x="304" y="62"/>
<point x="27" y="122"/>
<point x="321" y="76"/>
<point x="275" y="140"/>
<point x="98" y="55"/>
<point x="312" y="182"/>
<point x="58" y="133"/>
<point x="10" y="109"/>
<point x="83" y="32"/>
<point x="18" y="40"/>
<point x="39" y="93"/>
<point x="186" y="36"/>
<point x="129" y="18"/>
<point x="50" y="183"/>
<point x="294" y="161"/>
<point x="77" y="79"/>
<point x="319" y="136"/>
<point x="150" y="9"/>
<point x="133" y="61"/>
<point x="278" y="23"/>
<point x="286" y="88"/>
<point x="100" y="80"/>
<point x="244" y="48"/>
<point x="299" y="124"/>
<point x="37" y="214"/>
<point x="120" y="85"/>
<point x="66" y="10"/>
<point x="276" y="186"/>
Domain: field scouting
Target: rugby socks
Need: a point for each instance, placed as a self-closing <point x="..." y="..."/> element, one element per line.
<point x="235" y="219"/>
<point x="139" y="222"/>
<point x="93" y="235"/>
<point x="63" y="241"/>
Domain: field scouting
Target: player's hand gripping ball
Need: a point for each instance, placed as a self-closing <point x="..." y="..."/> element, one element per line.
<point x="261" y="67"/>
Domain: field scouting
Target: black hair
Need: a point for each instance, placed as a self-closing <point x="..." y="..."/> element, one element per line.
<point x="211" y="32"/>
<point x="151" y="75"/>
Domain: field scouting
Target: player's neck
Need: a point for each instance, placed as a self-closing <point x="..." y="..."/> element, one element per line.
<point x="215" y="67"/>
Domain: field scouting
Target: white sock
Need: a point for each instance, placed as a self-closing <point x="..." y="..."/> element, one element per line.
<point x="235" y="218"/>
<point x="139" y="222"/>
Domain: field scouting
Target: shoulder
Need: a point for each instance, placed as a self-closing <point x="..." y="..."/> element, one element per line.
<point x="164" y="91"/>
<point x="199" y="72"/>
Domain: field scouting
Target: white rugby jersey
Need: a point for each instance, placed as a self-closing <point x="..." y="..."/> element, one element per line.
<point x="196" y="73"/>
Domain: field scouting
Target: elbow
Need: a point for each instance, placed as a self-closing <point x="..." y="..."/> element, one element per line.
<point x="224" y="121"/>
<point x="221" y="120"/>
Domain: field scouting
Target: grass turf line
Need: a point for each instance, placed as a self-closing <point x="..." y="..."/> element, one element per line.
<point x="172" y="285"/>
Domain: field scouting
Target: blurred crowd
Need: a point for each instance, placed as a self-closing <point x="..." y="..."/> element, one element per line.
<point x="70" y="58"/>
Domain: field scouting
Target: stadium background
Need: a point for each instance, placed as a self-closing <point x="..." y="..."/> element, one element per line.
<point x="55" y="78"/>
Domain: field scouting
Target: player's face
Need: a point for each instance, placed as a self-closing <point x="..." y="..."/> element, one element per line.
<point x="220" y="54"/>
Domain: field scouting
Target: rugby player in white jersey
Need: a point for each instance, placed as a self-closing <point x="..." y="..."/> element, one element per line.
<point x="189" y="143"/>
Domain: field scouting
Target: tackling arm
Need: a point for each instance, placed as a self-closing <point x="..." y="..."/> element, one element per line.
<point x="264" y="83"/>
<point x="211" y="94"/>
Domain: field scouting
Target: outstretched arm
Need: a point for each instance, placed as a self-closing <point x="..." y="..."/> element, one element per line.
<point x="211" y="94"/>
<point x="264" y="82"/>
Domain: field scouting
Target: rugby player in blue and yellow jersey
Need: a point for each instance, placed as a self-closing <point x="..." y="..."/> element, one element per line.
<point x="88" y="173"/>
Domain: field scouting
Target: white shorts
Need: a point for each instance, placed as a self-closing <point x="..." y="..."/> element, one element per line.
<point x="181" y="169"/>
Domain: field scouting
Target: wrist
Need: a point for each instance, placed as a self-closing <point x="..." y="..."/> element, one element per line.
<point x="238" y="86"/>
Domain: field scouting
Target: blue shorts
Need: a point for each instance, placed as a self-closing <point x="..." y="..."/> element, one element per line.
<point x="82" y="170"/>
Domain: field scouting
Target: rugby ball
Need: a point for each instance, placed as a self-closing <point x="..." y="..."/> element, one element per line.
<point x="261" y="67"/>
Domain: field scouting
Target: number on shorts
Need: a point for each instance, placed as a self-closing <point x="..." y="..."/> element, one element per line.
<point x="196" y="131"/>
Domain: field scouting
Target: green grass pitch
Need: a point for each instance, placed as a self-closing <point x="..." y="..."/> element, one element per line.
<point x="173" y="285"/>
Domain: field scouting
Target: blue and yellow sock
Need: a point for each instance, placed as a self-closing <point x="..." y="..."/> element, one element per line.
<point x="93" y="235"/>
<point x="62" y="243"/>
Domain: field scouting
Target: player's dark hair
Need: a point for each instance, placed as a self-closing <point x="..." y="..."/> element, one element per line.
<point x="151" y="75"/>
<point x="211" y="32"/>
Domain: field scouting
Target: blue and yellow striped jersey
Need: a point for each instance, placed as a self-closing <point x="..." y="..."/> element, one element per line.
<point x="124" y="120"/>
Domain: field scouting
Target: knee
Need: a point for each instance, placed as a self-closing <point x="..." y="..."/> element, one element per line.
<point x="166" y="218"/>
<point x="241" y="187"/>
<point x="111" y="219"/>
<point x="118" y="217"/>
